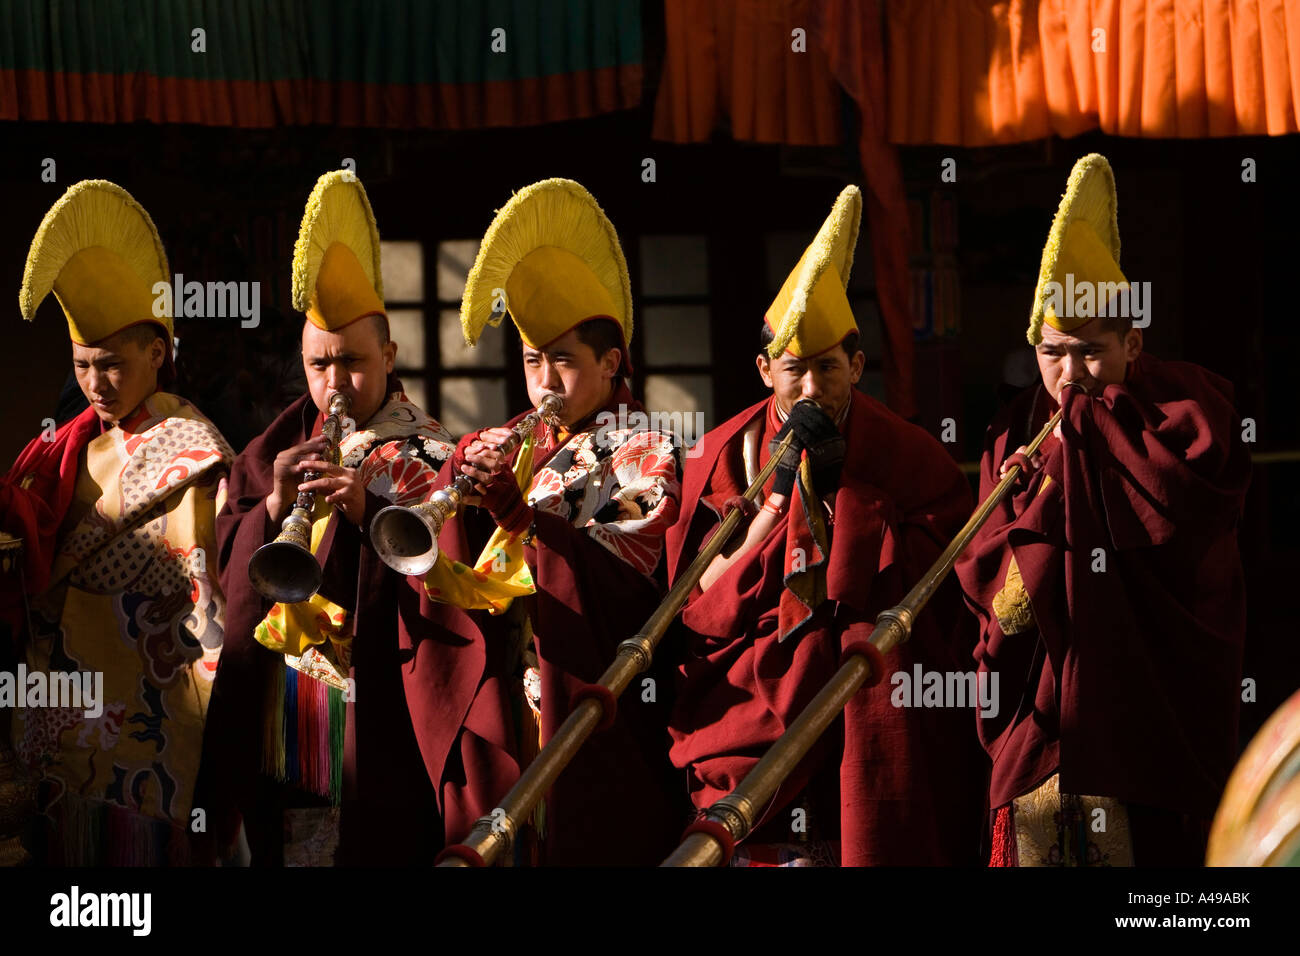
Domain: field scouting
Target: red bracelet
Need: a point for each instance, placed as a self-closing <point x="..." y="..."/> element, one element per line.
<point x="775" y="512"/>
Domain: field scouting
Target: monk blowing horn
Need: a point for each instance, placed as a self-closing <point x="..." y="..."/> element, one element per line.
<point x="407" y="538"/>
<point x="492" y="836"/>
<point x="710" y="840"/>
<point x="285" y="570"/>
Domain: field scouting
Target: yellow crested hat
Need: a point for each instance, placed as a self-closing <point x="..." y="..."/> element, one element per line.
<point x="554" y="253"/>
<point x="336" y="274"/>
<point x="98" y="251"/>
<point x="811" y="313"/>
<point x="1083" y="244"/>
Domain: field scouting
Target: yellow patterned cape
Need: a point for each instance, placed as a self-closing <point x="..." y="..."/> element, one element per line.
<point x="134" y="597"/>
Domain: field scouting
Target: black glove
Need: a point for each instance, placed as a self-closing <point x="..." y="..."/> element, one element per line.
<point x="823" y="442"/>
<point x="783" y="483"/>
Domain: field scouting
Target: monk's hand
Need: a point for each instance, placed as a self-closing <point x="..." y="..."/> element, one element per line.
<point x="286" y="473"/>
<point x="1066" y="388"/>
<point x="483" y="460"/>
<point x="788" y="467"/>
<point x="342" y="488"/>
<point x="740" y="503"/>
<point x="1027" y="465"/>
<point x="823" y="442"/>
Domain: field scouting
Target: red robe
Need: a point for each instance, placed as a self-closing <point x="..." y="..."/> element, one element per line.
<point x="616" y="803"/>
<point x="34" y="510"/>
<point x="894" y="785"/>
<point x="1129" y="684"/>
<point x="389" y="813"/>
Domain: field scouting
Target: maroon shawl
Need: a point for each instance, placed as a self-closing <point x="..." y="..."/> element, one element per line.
<point x="897" y="785"/>
<point x="1130" y="683"/>
<point x="615" y="803"/>
<point x="389" y="811"/>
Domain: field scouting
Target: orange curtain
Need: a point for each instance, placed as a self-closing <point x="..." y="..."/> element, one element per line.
<point x="975" y="73"/>
<point x="736" y="59"/>
<point x="850" y="33"/>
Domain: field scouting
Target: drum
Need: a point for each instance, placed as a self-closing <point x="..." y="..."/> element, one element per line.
<point x="1258" y="821"/>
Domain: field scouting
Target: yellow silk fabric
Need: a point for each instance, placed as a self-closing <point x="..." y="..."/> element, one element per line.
<point x="293" y="628"/>
<point x="500" y="574"/>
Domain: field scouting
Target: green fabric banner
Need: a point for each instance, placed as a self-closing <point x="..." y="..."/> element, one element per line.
<point x="59" y="58"/>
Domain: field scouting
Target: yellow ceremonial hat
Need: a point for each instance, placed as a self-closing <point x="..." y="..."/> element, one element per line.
<point x="1082" y="247"/>
<point x="811" y="313"/>
<point x="556" y="256"/>
<point x="336" y="274"/>
<point x="98" y="251"/>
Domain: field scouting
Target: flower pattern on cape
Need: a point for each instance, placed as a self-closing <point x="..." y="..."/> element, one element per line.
<point x="625" y="490"/>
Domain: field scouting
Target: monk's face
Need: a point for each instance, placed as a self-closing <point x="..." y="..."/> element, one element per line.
<point x="827" y="379"/>
<point x="117" y="374"/>
<point x="569" y="368"/>
<point x="354" y="360"/>
<point x="1089" y="355"/>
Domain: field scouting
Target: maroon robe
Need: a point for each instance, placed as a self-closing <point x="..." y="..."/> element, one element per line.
<point x="894" y="785"/>
<point x="390" y="814"/>
<point x="1129" y="684"/>
<point x="616" y="803"/>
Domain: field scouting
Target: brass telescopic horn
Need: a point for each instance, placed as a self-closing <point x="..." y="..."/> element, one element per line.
<point x="740" y="810"/>
<point x="407" y="538"/>
<point x="285" y="570"/>
<point x="492" y="836"/>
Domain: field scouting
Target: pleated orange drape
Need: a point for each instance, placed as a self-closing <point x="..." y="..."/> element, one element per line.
<point x="850" y="33"/>
<point x="974" y="73"/>
<point x="734" y="59"/>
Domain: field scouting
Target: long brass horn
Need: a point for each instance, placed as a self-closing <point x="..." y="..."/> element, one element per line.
<point x="492" y="836"/>
<point x="739" y="810"/>
<point x="285" y="570"/>
<point x="407" y="538"/>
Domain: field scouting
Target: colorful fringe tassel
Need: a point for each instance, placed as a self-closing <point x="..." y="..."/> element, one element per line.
<point x="302" y="741"/>
<point x="94" y="833"/>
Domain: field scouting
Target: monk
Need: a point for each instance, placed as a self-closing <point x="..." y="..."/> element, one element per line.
<point x="838" y="539"/>
<point x="331" y="664"/>
<point x="569" y="558"/>
<point x="116" y="509"/>
<point x="1108" y="586"/>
